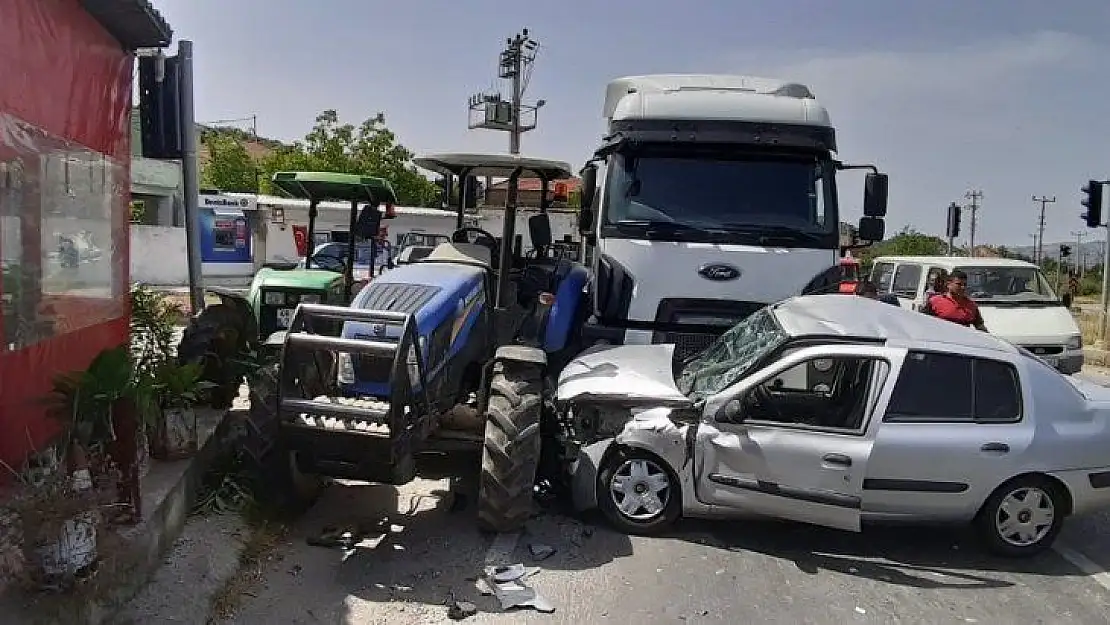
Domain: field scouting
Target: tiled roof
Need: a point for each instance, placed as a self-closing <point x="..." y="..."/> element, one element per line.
<point x="534" y="184"/>
<point x="134" y="23"/>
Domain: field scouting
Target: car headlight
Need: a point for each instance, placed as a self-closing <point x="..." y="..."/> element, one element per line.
<point x="310" y="298"/>
<point x="275" y="299"/>
<point x="1075" y="342"/>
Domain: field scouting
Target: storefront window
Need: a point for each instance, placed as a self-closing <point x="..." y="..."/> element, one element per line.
<point x="63" y="219"/>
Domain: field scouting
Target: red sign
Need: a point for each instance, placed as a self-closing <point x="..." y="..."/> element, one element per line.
<point x="300" y="239"/>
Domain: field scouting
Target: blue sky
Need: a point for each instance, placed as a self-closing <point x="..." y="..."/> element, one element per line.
<point x="1007" y="96"/>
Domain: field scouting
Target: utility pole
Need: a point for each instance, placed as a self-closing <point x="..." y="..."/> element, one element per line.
<point x="1080" y="257"/>
<point x="1044" y="201"/>
<point x="490" y="110"/>
<point x="190" y="179"/>
<point x="974" y="196"/>
<point x="1036" y="261"/>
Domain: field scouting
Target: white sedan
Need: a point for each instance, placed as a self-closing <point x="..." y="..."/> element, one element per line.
<point x="834" y="411"/>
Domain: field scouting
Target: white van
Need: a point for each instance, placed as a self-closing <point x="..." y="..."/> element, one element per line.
<point x="1016" y="301"/>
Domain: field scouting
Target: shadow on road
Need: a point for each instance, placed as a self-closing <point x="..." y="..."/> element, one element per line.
<point x="917" y="557"/>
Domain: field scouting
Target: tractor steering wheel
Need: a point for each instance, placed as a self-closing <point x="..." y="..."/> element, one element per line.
<point x="481" y="237"/>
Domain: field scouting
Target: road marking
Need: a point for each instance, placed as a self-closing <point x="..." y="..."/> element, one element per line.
<point x="502" y="548"/>
<point x="1085" y="564"/>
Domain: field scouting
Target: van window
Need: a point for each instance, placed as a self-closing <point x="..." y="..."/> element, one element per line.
<point x="906" y="280"/>
<point x="1000" y="285"/>
<point x="881" y="275"/>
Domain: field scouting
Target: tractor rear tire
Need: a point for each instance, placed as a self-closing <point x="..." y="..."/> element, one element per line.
<point x="213" y="339"/>
<point x="511" y="449"/>
<point x="282" y="485"/>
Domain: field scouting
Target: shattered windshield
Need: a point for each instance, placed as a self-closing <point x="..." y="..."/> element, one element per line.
<point x="730" y="356"/>
<point x="1008" y="285"/>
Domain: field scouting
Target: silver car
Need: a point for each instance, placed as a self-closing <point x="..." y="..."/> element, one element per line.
<point x="837" y="410"/>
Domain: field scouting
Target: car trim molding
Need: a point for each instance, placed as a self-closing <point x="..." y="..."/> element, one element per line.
<point x="825" y="497"/>
<point x="914" y="486"/>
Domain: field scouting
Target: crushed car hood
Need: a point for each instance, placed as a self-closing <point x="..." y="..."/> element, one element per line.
<point x="626" y="374"/>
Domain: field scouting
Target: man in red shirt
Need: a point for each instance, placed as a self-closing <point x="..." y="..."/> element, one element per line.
<point x="954" y="305"/>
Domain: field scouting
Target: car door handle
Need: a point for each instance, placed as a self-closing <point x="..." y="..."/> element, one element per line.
<point x="838" y="459"/>
<point x="996" y="447"/>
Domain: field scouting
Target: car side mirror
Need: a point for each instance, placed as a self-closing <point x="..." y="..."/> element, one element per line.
<point x="874" y="196"/>
<point x="871" y="229"/>
<point x="589" y="185"/>
<point x="731" y="412"/>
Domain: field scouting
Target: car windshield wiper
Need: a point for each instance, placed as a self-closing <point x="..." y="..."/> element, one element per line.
<point x="655" y="227"/>
<point x="772" y="233"/>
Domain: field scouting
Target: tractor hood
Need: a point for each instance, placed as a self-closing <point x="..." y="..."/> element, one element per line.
<point x="627" y="374"/>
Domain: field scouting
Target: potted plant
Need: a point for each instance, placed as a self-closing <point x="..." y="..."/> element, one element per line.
<point x="102" y="407"/>
<point x="153" y="320"/>
<point x="179" y="388"/>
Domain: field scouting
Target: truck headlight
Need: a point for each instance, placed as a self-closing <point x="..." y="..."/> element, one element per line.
<point x="1075" y="342"/>
<point x="310" y="298"/>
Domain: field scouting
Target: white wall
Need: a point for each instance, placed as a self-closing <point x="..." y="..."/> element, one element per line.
<point x="279" y="238"/>
<point x="158" y="255"/>
<point x="562" y="223"/>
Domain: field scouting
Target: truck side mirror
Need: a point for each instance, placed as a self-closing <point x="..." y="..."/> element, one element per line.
<point x="871" y="229"/>
<point x="874" y="196"/>
<point x="585" y="220"/>
<point x="589" y="185"/>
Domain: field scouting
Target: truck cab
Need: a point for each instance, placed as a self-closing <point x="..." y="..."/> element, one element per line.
<point x="710" y="197"/>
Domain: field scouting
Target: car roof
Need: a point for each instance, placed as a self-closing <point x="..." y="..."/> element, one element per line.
<point x="955" y="261"/>
<point x="863" y="318"/>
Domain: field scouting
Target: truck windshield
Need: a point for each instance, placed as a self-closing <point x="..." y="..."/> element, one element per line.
<point x="1008" y="286"/>
<point x="730" y="356"/>
<point x="781" y="197"/>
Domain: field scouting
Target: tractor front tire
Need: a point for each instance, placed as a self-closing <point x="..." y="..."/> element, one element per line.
<point x="511" y="449"/>
<point x="283" y="487"/>
<point x="213" y="339"/>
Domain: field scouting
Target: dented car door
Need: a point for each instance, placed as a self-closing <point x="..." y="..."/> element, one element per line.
<point x="799" y="459"/>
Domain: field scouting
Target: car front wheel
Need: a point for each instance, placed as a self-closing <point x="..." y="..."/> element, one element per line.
<point x="638" y="493"/>
<point x="1022" y="517"/>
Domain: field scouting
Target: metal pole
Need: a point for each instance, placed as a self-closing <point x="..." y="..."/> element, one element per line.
<point x="1044" y="200"/>
<point x="189" y="178"/>
<point x="517" y="48"/>
<point x="951" y="246"/>
<point x="974" y="196"/>
<point x="1105" y="263"/>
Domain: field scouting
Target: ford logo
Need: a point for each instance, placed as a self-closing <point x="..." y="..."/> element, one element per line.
<point x="719" y="272"/>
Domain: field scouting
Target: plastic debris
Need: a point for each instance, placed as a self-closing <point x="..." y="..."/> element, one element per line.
<point x="508" y="584"/>
<point x="541" y="551"/>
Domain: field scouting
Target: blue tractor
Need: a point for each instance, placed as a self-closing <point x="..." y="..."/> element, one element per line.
<point x="362" y="390"/>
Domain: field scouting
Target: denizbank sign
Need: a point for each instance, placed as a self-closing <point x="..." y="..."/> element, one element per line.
<point x="227" y="203"/>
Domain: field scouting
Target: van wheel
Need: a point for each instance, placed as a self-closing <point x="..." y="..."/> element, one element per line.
<point x="1022" y="517"/>
<point x="638" y="493"/>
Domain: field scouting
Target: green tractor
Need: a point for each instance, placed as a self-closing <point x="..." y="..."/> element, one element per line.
<point x="222" y="332"/>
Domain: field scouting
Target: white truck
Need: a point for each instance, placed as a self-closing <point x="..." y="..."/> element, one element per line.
<point x="710" y="197"/>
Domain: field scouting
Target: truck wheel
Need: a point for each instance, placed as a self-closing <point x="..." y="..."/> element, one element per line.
<point x="511" y="450"/>
<point x="1022" y="517"/>
<point x="213" y="339"/>
<point x="283" y="485"/>
<point x="637" y="492"/>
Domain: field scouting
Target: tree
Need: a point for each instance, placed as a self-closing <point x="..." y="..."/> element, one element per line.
<point x="370" y="149"/>
<point x="229" y="167"/>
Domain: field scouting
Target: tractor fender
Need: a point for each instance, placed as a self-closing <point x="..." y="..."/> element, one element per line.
<point x="241" y="305"/>
<point x="511" y="353"/>
<point x="564" y="312"/>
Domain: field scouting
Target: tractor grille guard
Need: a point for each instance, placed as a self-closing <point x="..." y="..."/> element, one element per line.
<point x="408" y="400"/>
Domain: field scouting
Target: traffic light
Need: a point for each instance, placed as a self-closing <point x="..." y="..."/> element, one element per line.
<point x="953" y="229"/>
<point x="1093" y="203"/>
<point x="1065" y="251"/>
<point x="160" y="107"/>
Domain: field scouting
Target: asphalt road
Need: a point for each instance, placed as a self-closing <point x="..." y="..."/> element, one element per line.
<point x="423" y="551"/>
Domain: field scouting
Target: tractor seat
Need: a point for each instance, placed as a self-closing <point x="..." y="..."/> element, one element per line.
<point x="462" y="254"/>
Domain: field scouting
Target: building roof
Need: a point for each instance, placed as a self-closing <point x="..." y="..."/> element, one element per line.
<point x="134" y="23"/>
<point x="864" y="318"/>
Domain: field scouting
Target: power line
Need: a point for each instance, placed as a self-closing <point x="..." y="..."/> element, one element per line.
<point x="1044" y="201"/>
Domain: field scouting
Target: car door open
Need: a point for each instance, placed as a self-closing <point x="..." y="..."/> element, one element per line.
<point x="796" y="450"/>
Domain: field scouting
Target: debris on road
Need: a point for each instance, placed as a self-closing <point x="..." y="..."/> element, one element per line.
<point x="507" y="583"/>
<point x="541" y="551"/>
<point x="459" y="610"/>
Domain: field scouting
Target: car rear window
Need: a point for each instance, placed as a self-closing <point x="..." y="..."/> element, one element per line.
<point x="947" y="387"/>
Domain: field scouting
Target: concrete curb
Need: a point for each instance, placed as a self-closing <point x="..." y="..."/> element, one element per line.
<point x="168" y="491"/>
